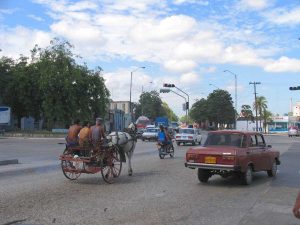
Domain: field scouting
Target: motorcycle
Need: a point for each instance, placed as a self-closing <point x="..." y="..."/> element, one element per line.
<point x="165" y="149"/>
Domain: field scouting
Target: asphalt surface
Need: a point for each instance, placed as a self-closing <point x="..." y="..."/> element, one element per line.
<point x="159" y="192"/>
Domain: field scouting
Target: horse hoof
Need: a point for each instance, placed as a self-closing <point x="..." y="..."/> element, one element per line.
<point x="130" y="174"/>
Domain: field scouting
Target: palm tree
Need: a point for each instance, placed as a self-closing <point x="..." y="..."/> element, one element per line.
<point x="260" y="106"/>
<point x="267" y="118"/>
<point x="247" y="112"/>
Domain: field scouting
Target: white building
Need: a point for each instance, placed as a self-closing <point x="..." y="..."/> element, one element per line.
<point x="296" y="109"/>
<point x="122" y="105"/>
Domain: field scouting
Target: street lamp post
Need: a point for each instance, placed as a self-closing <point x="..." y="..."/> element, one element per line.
<point x="130" y="104"/>
<point x="235" y="91"/>
<point x="214" y="86"/>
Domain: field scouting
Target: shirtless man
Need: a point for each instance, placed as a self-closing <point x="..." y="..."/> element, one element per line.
<point x="72" y="138"/>
<point x="97" y="133"/>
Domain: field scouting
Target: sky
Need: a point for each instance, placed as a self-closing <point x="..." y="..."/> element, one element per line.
<point x="189" y="43"/>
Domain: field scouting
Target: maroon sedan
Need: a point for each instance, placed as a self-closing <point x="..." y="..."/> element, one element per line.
<point x="233" y="152"/>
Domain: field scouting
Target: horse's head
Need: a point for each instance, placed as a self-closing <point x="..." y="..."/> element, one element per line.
<point x="132" y="127"/>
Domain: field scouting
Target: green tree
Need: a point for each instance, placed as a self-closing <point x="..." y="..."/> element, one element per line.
<point x="6" y="76"/>
<point x="151" y="105"/>
<point x="247" y="113"/>
<point x="220" y="108"/>
<point x="198" y="111"/>
<point x="52" y="86"/>
<point x="170" y="114"/>
<point x="267" y="117"/>
<point x="260" y="105"/>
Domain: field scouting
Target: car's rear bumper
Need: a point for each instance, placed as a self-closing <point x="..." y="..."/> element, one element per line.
<point x="185" y="141"/>
<point x="212" y="166"/>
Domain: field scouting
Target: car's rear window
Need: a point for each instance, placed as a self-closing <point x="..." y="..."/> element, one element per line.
<point x="237" y="140"/>
<point x="186" y="131"/>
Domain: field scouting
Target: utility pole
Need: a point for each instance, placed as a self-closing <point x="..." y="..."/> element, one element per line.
<point x="254" y="85"/>
<point x="235" y="94"/>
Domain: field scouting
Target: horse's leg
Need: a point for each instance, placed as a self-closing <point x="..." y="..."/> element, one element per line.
<point x="129" y="155"/>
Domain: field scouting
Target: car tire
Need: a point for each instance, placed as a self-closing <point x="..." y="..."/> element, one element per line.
<point x="178" y="143"/>
<point x="143" y="139"/>
<point x="203" y="175"/>
<point x="273" y="171"/>
<point x="193" y="143"/>
<point x="247" y="176"/>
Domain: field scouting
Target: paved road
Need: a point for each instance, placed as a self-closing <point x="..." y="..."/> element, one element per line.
<point x="159" y="192"/>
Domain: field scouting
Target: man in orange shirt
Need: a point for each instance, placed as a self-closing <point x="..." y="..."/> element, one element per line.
<point x="84" y="134"/>
<point x="72" y="138"/>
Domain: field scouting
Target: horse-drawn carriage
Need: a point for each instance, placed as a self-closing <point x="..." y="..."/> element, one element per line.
<point x="97" y="157"/>
<point x="92" y="159"/>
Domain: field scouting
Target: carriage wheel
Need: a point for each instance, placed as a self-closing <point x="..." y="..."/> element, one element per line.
<point x="111" y="165"/>
<point x="69" y="169"/>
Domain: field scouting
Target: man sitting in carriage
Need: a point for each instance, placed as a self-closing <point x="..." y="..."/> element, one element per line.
<point x="72" y="138"/>
<point x="97" y="133"/>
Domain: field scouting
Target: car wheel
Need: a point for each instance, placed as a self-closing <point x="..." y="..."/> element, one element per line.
<point x="203" y="175"/>
<point x="273" y="171"/>
<point x="247" y="176"/>
<point x="193" y="143"/>
<point x="178" y="143"/>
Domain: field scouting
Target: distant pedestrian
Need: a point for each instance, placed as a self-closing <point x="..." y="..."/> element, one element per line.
<point x="296" y="209"/>
<point x="72" y="138"/>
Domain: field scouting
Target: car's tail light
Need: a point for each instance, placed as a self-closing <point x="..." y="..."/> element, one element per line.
<point x="177" y="136"/>
<point x="190" y="137"/>
<point x="228" y="159"/>
<point x="191" y="157"/>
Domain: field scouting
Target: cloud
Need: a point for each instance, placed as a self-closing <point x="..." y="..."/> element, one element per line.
<point x="284" y="17"/>
<point x="37" y="18"/>
<point x="20" y="40"/>
<point x="189" y="78"/>
<point x="180" y="65"/>
<point x="119" y="84"/>
<point x="199" y="2"/>
<point x="255" y="4"/>
<point x="283" y="64"/>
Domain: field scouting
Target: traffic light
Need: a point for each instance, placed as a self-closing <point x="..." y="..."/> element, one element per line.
<point x="187" y="105"/>
<point x="164" y="90"/>
<point x="169" y="85"/>
<point x="294" y="88"/>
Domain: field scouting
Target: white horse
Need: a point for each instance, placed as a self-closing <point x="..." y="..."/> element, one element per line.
<point x="127" y="142"/>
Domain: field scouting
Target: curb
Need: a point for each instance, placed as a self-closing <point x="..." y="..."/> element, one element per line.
<point x="8" y="162"/>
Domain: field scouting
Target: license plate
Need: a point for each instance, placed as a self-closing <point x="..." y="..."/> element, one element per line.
<point x="210" y="160"/>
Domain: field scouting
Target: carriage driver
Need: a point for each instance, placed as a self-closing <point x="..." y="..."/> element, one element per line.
<point x="97" y="133"/>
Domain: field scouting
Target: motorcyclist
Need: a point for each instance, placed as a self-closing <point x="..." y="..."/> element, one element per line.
<point x="163" y="136"/>
<point x="169" y="138"/>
